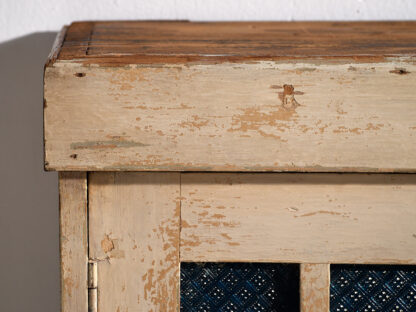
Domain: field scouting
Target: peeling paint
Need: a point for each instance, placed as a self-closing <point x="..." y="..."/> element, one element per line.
<point x="107" y="244"/>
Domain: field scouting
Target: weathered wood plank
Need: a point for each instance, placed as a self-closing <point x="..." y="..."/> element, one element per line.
<point x="121" y="43"/>
<point x="314" y="287"/>
<point x="57" y="46"/>
<point x="134" y="236"/>
<point x="308" y="115"/>
<point x="73" y="241"/>
<point x="306" y="218"/>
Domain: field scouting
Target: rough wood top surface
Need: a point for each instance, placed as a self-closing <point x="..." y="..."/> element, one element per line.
<point x="133" y="42"/>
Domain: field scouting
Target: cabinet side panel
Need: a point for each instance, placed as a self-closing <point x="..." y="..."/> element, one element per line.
<point x="73" y="241"/>
<point x="134" y="236"/>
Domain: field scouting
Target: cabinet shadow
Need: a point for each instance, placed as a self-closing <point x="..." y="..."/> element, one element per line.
<point x="29" y="227"/>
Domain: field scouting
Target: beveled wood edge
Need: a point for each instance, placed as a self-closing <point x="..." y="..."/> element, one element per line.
<point x="57" y="45"/>
<point x="51" y="59"/>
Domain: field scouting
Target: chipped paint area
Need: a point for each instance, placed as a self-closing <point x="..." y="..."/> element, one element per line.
<point x="315" y="218"/>
<point x="207" y="214"/>
<point x="314" y="287"/>
<point x="288" y="97"/>
<point x="234" y="117"/>
<point x="107" y="244"/>
<point x="160" y="281"/>
<point x="134" y="226"/>
<point x="320" y="212"/>
<point x="73" y="240"/>
<point x="111" y="247"/>
<point x="195" y="123"/>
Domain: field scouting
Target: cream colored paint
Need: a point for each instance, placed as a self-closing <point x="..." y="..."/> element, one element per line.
<point x="301" y="218"/>
<point x="134" y="236"/>
<point x="230" y="117"/>
<point x="73" y="241"/>
<point x="314" y="287"/>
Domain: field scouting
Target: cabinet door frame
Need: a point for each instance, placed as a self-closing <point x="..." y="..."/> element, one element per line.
<point x="168" y="201"/>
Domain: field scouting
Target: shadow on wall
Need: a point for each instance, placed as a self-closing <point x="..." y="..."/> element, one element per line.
<point x="29" y="240"/>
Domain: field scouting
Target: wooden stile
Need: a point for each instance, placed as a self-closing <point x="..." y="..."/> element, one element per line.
<point x="134" y="237"/>
<point x="73" y="241"/>
<point x="314" y="287"/>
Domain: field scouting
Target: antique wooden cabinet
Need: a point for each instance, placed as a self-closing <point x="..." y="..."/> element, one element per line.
<point x="228" y="142"/>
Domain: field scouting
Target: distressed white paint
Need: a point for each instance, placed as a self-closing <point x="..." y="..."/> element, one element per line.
<point x="21" y="17"/>
<point x="306" y="218"/>
<point x="346" y="116"/>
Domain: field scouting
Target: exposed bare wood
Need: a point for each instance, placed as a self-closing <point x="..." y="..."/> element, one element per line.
<point x="134" y="236"/>
<point x="73" y="241"/>
<point x="57" y="45"/>
<point x="307" y="218"/>
<point x="121" y="43"/>
<point x="314" y="287"/>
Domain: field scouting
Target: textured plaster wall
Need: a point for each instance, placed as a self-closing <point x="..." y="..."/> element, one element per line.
<point x="20" y="17"/>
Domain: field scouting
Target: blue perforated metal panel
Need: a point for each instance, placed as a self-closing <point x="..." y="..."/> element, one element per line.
<point x="275" y="287"/>
<point x="373" y="288"/>
<point x="239" y="287"/>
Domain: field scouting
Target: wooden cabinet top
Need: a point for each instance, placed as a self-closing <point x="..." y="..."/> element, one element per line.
<point x="184" y="42"/>
<point x="232" y="96"/>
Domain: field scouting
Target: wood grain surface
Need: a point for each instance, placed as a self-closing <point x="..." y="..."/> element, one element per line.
<point x="314" y="287"/>
<point x="134" y="236"/>
<point x="232" y="117"/>
<point x="172" y="42"/>
<point x="306" y="218"/>
<point x="178" y="96"/>
<point x="73" y="241"/>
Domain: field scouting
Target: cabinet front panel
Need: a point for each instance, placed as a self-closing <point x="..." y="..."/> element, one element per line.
<point x="307" y="218"/>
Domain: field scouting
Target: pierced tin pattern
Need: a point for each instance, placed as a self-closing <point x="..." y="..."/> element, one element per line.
<point x="373" y="288"/>
<point x="251" y="287"/>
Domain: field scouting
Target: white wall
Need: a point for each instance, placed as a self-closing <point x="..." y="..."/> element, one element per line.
<point x="21" y="17"/>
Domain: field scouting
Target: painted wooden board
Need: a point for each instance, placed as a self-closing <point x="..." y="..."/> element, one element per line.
<point x="265" y="116"/>
<point x="233" y="97"/>
<point x="306" y="218"/>
<point x="134" y="236"/>
<point x="73" y="241"/>
<point x="314" y="287"/>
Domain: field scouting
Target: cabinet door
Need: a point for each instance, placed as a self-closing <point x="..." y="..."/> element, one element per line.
<point x="142" y="225"/>
<point x="312" y="219"/>
<point x="134" y="237"/>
